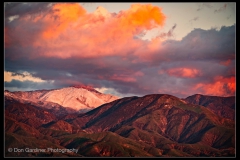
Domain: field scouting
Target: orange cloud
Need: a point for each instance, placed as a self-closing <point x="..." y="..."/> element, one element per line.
<point x="142" y="16"/>
<point x="64" y="14"/>
<point x="184" y="72"/>
<point x="221" y="87"/>
<point x="69" y="31"/>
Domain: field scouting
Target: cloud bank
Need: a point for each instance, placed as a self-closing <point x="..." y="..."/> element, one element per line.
<point x="62" y="44"/>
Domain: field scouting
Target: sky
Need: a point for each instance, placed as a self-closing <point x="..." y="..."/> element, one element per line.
<point x="124" y="49"/>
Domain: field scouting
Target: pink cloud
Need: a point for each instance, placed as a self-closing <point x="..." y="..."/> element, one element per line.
<point x="221" y="86"/>
<point x="183" y="72"/>
<point x="69" y="31"/>
<point x="139" y="73"/>
<point x="226" y="63"/>
<point x="64" y="14"/>
<point x="122" y="78"/>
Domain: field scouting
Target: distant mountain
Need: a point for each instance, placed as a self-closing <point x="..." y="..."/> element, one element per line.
<point x="75" y="98"/>
<point x="222" y="106"/>
<point x="157" y="125"/>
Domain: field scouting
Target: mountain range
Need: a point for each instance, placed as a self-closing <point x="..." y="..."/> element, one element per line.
<point x="155" y="125"/>
<point x="76" y="98"/>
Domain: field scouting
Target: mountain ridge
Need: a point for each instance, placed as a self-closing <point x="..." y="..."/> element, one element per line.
<point x="79" y="98"/>
<point x="222" y="106"/>
<point x="154" y="125"/>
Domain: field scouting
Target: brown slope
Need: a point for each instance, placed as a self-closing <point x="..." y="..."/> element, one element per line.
<point x="169" y="147"/>
<point x="222" y="106"/>
<point x="62" y="125"/>
<point x="108" y="144"/>
<point x="101" y="112"/>
<point x="27" y="113"/>
<point x="22" y="129"/>
<point x="119" y="112"/>
<point x="167" y="116"/>
<point x="54" y="108"/>
<point x="12" y="126"/>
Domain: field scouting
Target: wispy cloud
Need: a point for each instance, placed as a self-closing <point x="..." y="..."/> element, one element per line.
<point x="223" y="8"/>
<point x="204" y="5"/>
<point x="168" y="34"/>
<point x="194" y="19"/>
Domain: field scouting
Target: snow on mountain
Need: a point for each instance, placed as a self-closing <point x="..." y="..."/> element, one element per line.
<point x="77" y="98"/>
<point x="80" y="98"/>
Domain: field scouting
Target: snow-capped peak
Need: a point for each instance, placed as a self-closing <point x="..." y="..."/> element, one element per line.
<point x="76" y="97"/>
